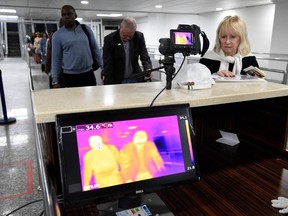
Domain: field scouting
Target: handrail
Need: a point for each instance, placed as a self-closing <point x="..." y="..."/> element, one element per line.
<point x="45" y="181"/>
<point x="273" y="55"/>
<point x="46" y="184"/>
<point x="279" y="57"/>
<point x="31" y="84"/>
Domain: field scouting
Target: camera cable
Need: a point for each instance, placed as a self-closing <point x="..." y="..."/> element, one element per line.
<point x="168" y="83"/>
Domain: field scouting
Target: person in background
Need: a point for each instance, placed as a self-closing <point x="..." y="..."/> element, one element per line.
<point x="36" y="40"/>
<point x="48" y="58"/>
<point x="121" y="52"/>
<point x="43" y="48"/>
<point x="32" y="37"/>
<point x="71" y="52"/>
<point x="231" y="53"/>
<point x="36" y="48"/>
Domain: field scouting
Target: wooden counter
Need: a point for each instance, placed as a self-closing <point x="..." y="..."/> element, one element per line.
<point x="48" y="103"/>
<point x="236" y="181"/>
<point x="239" y="180"/>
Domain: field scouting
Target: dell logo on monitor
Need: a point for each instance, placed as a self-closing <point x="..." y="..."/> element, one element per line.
<point x="139" y="191"/>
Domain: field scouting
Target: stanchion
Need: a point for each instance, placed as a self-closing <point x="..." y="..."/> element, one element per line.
<point x="5" y="119"/>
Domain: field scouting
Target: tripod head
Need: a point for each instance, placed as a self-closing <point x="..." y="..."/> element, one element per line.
<point x="168" y="65"/>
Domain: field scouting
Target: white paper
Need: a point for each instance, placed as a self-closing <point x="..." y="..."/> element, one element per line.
<point x="228" y="138"/>
<point x="237" y="78"/>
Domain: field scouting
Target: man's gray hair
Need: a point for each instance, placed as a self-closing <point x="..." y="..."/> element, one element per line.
<point x="129" y="23"/>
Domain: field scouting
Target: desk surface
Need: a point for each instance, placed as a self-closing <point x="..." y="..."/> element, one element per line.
<point x="48" y="103"/>
<point x="239" y="180"/>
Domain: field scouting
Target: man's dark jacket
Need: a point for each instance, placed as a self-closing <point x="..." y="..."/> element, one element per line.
<point x="114" y="57"/>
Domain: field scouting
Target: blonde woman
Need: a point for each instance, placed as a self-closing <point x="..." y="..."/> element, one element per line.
<point x="232" y="52"/>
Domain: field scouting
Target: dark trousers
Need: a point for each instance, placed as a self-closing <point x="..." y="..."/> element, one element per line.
<point x="79" y="80"/>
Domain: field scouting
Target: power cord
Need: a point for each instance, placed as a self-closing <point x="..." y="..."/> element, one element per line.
<point x="168" y="83"/>
<point x="35" y="201"/>
<point x="59" y="200"/>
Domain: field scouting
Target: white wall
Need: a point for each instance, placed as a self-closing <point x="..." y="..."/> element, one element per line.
<point x="159" y="25"/>
<point x="280" y="29"/>
<point x="266" y="25"/>
<point x="259" y="22"/>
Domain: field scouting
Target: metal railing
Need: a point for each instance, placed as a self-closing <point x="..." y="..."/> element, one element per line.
<point x="46" y="185"/>
<point x="267" y="57"/>
<point x="275" y="57"/>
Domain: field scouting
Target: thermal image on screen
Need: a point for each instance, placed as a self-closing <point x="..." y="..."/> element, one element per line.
<point x="183" y="38"/>
<point x="118" y="152"/>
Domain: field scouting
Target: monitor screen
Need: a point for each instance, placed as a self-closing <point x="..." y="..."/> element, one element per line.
<point x="105" y="155"/>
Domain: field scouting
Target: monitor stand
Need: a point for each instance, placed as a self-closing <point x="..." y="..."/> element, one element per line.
<point x="152" y="201"/>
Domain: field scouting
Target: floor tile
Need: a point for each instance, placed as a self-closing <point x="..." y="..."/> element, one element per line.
<point x="19" y="178"/>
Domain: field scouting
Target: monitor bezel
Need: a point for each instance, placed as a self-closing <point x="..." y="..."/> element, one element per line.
<point x="147" y="186"/>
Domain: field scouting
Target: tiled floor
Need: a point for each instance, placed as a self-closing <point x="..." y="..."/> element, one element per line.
<point x="19" y="180"/>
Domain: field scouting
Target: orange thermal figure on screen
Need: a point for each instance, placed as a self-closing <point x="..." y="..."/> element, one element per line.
<point x="140" y="158"/>
<point x="102" y="162"/>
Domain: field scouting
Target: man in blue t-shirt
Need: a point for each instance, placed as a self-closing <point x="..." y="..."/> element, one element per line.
<point x="72" y="54"/>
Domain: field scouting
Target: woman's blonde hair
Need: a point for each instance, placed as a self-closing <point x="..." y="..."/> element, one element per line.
<point x="239" y="27"/>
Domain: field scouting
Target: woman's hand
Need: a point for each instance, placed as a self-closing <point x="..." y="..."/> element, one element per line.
<point x="225" y="73"/>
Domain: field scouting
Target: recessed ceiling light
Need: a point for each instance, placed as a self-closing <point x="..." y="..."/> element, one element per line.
<point x="79" y="19"/>
<point x="8" y="10"/>
<point x="219" y="9"/>
<point x="109" y="15"/>
<point x="158" y="6"/>
<point x="8" y="17"/>
<point x="84" y="2"/>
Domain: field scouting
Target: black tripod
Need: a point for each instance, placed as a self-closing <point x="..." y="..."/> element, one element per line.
<point x="168" y="66"/>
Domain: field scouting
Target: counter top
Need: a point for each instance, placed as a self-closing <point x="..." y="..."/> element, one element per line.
<point x="47" y="103"/>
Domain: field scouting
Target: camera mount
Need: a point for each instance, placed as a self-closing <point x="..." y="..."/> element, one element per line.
<point x="168" y="65"/>
<point x="185" y="39"/>
<point x="169" y="71"/>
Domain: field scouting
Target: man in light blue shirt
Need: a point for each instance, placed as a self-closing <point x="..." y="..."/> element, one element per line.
<point x="71" y="53"/>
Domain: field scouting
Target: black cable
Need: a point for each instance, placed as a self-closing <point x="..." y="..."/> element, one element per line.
<point x="167" y="83"/>
<point x="24" y="206"/>
<point x="42" y="213"/>
<point x="157" y="96"/>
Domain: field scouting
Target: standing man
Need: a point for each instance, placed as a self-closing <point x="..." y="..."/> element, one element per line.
<point x="121" y="52"/>
<point x="71" y="52"/>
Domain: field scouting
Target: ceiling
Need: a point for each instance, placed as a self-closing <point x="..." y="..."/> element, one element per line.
<point x="50" y="9"/>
